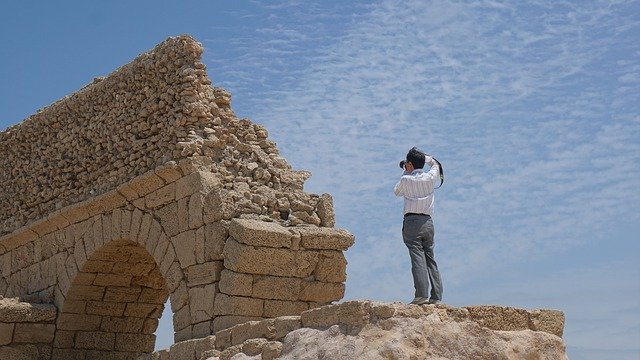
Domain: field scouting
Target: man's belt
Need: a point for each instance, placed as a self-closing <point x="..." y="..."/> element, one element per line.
<point x="418" y="214"/>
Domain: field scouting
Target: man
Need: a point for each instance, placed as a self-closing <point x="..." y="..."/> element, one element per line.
<point x="417" y="187"/>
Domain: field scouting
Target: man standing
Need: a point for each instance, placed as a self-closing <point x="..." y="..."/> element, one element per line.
<point x="417" y="188"/>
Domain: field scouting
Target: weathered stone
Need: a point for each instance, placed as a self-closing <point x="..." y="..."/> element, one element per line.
<point x="275" y="287"/>
<point x="233" y="283"/>
<point x="202" y="274"/>
<point x="260" y="233"/>
<point x="268" y="261"/>
<point x="215" y="235"/>
<point x="275" y="308"/>
<point x="312" y="237"/>
<point x="332" y="267"/>
<point x="236" y="305"/>
<point x="6" y="333"/>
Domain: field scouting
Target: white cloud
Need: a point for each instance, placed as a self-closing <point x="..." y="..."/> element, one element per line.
<point x="531" y="108"/>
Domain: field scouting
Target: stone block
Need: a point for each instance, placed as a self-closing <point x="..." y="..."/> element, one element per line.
<point x="271" y="350"/>
<point x="260" y="233"/>
<point x="199" y="247"/>
<point x="102" y="203"/>
<point x="150" y="326"/>
<point x="21" y="257"/>
<point x="75" y="306"/>
<point x="161" y="197"/>
<point x="97" y="266"/>
<point x="169" y="172"/>
<point x="95" y="340"/>
<point x="351" y="313"/>
<point x="233" y="283"/>
<point x="143" y="310"/>
<point x="64" y="339"/>
<point x="251" y="330"/>
<point x="227" y="321"/>
<point x="202" y="330"/>
<point x="215" y="235"/>
<point x="183" y="334"/>
<point x="183" y="214"/>
<point x="196" y="205"/>
<point x="499" y="317"/>
<point x="85" y="292"/>
<point x="332" y="267"/>
<point x="153" y="296"/>
<point x="183" y="350"/>
<point x="135" y="342"/>
<point x="79" y="322"/>
<point x="182" y="318"/>
<point x="168" y="215"/>
<point x="223" y="338"/>
<point x="219" y="204"/>
<point x="68" y="354"/>
<point x="126" y="191"/>
<point x="268" y="261"/>
<point x="253" y="347"/>
<point x="321" y="292"/>
<point x="275" y="287"/>
<point x="236" y="305"/>
<point x="201" y="300"/>
<point x="125" y="225"/>
<point x="122" y="294"/>
<point x="202" y="274"/>
<point x="550" y="321"/>
<point x="284" y="325"/>
<point x="276" y="308"/>
<point x="34" y="333"/>
<point x="179" y="297"/>
<point x="104" y="308"/>
<point x="323" y="238"/>
<point x="112" y="279"/>
<point x="146" y="183"/>
<point x="184" y="244"/>
<point x="173" y="276"/>
<point x="122" y="324"/>
<point x="6" y="333"/>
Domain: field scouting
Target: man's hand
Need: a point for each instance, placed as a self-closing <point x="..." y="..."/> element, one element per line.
<point x="429" y="160"/>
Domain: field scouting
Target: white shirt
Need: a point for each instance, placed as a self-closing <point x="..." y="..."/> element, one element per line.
<point x="417" y="189"/>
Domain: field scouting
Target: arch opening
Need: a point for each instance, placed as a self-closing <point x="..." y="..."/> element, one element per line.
<point x="113" y="305"/>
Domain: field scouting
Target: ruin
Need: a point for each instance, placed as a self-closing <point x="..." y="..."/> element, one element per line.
<point x="144" y="186"/>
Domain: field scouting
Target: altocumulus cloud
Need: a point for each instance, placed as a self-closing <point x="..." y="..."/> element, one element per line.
<point x="533" y="109"/>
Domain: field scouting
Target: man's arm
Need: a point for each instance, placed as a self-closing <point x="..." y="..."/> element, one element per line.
<point x="399" y="188"/>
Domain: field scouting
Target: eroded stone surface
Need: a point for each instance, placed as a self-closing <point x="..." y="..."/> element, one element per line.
<point x="144" y="185"/>
<point x="375" y="330"/>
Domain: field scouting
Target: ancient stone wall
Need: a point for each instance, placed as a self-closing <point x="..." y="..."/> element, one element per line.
<point x="181" y="201"/>
<point x="26" y="330"/>
<point x="158" y="108"/>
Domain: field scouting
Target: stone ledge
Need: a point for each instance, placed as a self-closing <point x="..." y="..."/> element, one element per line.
<point x="324" y="238"/>
<point x="14" y="311"/>
<point x="266" y="337"/>
<point x="260" y="233"/>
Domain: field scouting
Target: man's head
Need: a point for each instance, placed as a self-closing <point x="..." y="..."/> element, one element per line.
<point x="416" y="158"/>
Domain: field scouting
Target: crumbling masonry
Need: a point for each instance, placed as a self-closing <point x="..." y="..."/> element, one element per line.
<point x="144" y="186"/>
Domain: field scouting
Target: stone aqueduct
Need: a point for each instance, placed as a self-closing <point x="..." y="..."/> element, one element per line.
<point x="144" y="186"/>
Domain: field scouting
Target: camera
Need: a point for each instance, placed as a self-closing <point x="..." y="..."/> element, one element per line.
<point x="402" y="164"/>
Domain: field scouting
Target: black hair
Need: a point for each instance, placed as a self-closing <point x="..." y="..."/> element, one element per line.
<point x="416" y="157"/>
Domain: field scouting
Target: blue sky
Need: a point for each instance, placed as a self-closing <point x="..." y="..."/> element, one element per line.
<point x="532" y="107"/>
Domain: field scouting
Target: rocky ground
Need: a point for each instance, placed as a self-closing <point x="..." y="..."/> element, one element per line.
<point x="373" y="330"/>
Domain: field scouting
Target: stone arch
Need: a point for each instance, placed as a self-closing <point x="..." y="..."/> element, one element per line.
<point x="152" y="162"/>
<point x="126" y="271"/>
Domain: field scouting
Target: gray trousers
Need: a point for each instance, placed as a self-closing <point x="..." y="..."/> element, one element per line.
<point x="417" y="232"/>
